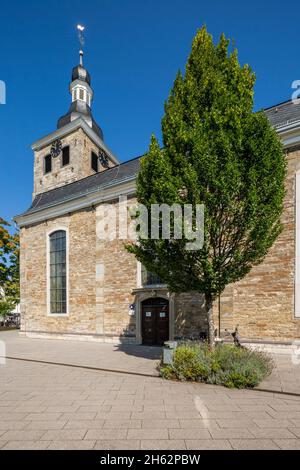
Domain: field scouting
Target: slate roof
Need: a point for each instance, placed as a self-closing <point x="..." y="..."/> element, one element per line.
<point x="279" y="115"/>
<point x="283" y="113"/>
<point x="117" y="174"/>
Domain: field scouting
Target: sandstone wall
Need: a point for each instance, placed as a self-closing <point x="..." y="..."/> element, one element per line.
<point x="79" y="167"/>
<point x="262" y="304"/>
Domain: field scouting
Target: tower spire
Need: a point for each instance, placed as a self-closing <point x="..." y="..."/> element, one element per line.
<point x="81" y="93"/>
<point x="80" y="30"/>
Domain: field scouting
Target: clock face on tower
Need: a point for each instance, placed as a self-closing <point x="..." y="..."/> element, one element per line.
<point x="56" y="148"/>
<point x="103" y="159"/>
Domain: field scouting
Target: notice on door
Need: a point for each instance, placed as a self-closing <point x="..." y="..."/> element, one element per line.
<point x="148" y="314"/>
<point x="162" y="314"/>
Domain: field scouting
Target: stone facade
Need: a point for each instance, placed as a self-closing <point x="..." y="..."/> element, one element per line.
<point x="262" y="304"/>
<point x="103" y="278"/>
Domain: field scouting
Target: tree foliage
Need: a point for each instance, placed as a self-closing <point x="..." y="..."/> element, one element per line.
<point x="217" y="152"/>
<point x="9" y="266"/>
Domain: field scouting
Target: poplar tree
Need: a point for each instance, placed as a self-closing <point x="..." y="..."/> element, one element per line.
<point x="219" y="153"/>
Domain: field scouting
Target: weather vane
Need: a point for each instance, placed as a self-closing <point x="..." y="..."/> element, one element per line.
<point x="80" y="30"/>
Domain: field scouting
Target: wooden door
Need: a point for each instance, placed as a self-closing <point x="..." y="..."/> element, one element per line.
<point x="155" y="321"/>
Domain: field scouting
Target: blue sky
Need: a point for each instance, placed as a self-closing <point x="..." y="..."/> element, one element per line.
<point x="133" y="51"/>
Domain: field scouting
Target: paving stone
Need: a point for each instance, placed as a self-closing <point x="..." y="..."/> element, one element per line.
<point x="295" y="431"/>
<point x="22" y="435"/>
<point x="105" y="434"/>
<point x="151" y="415"/>
<point x="64" y="434"/>
<point x="234" y="423"/>
<point x="189" y="434"/>
<point x="43" y="417"/>
<point x="11" y="425"/>
<point x="44" y="425"/>
<point x="230" y="433"/>
<point x="288" y="444"/>
<point x="199" y="423"/>
<point x="71" y="445"/>
<point x="85" y="424"/>
<point x="122" y="424"/>
<point x="78" y="416"/>
<point x="115" y="415"/>
<point x="253" y="444"/>
<point x="162" y="444"/>
<point x="156" y="434"/>
<point x="12" y="416"/>
<point x="208" y="444"/>
<point x="272" y="423"/>
<point x="160" y="423"/>
<point x="269" y="433"/>
<point x="26" y="445"/>
<point x="118" y="445"/>
<point x="184" y="415"/>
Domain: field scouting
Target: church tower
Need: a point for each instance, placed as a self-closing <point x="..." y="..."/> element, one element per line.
<point x="76" y="149"/>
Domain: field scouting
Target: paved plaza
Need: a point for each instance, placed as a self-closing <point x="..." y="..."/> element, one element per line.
<point x="131" y="358"/>
<point x="50" y="406"/>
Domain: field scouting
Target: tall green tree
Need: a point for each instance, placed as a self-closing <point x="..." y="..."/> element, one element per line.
<point x="218" y="153"/>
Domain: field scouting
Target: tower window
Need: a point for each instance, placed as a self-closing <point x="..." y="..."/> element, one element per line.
<point x="47" y="164"/>
<point x="81" y="94"/>
<point x="65" y="156"/>
<point x="94" y="161"/>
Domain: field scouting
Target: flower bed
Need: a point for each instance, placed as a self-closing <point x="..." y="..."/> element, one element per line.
<point x="226" y="365"/>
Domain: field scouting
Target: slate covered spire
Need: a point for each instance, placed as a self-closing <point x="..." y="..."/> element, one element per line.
<point x="82" y="96"/>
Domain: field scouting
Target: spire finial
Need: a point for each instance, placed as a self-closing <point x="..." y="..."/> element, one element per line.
<point x="81" y="58"/>
<point x="80" y="30"/>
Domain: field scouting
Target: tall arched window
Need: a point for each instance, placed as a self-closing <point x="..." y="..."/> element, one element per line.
<point x="58" y="272"/>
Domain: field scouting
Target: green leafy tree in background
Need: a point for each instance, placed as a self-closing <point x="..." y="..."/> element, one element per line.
<point x="216" y="152"/>
<point x="9" y="269"/>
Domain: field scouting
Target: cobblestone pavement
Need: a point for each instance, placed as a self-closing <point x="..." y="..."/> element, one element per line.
<point x="44" y="406"/>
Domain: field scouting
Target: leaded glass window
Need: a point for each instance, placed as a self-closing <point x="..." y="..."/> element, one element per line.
<point x="58" y="274"/>
<point x="150" y="279"/>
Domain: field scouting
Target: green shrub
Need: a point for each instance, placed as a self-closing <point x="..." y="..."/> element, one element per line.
<point x="224" y="365"/>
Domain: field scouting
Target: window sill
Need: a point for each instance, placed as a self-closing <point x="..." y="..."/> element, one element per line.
<point x="57" y="314"/>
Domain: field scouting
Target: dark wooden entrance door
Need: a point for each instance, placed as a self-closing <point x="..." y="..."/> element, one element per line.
<point x="155" y="321"/>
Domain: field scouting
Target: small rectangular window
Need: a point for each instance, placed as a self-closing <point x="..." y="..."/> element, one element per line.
<point x="65" y="156"/>
<point x="81" y="94"/>
<point x="48" y="164"/>
<point x="94" y="161"/>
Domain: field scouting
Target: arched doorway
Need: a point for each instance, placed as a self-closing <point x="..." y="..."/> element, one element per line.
<point x="155" y="321"/>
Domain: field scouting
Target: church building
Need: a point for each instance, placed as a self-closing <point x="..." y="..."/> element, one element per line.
<point x="77" y="285"/>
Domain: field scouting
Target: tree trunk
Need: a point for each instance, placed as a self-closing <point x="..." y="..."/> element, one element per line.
<point x="210" y="320"/>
